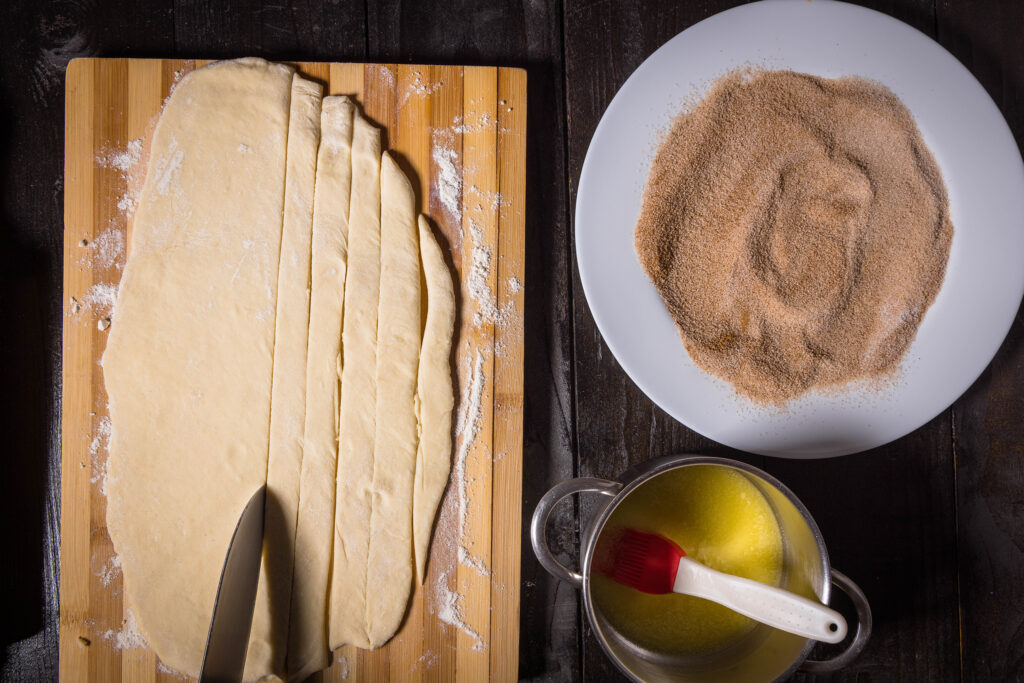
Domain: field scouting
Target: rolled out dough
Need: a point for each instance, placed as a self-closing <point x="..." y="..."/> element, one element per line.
<point x="307" y="638"/>
<point x="188" y="363"/>
<point x="358" y="396"/>
<point x="435" y="397"/>
<point x="270" y="328"/>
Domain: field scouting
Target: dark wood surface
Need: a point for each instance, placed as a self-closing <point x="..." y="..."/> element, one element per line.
<point x="931" y="526"/>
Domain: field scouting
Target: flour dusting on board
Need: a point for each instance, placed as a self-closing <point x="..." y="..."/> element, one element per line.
<point x="479" y="288"/>
<point x="387" y="75"/>
<point x="102" y="298"/>
<point x="449" y="610"/>
<point x="168" y="671"/>
<point x="105" y="251"/>
<point x="428" y="660"/>
<point x="468" y="427"/>
<point x="342" y="665"/>
<point x="126" y="162"/>
<point x="486" y="199"/>
<point x="474" y="122"/>
<point x="110" y="570"/>
<point x="128" y="638"/>
<point x="101" y="440"/>
<point x="449" y="182"/>
<point x="474" y="563"/>
<point x="451" y="529"/>
<point x="419" y="88"/>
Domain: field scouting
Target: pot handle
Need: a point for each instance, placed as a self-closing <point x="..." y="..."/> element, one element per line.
<point x="860" y="638"/>
<point x="538" y="527"/>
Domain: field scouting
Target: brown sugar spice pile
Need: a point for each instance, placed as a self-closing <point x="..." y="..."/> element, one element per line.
<point x="797" y="229"/>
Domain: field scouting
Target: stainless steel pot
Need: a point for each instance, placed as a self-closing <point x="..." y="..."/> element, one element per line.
<point x="765" y="654"/>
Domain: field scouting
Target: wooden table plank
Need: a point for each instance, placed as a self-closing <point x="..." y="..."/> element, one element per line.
<point x="988" y="429"/>
<point x="887" y="518"/>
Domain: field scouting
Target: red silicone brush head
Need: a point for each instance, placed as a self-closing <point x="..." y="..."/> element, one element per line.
<point x="646" y="562"/>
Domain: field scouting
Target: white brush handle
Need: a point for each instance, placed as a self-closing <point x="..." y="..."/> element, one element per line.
<point x="767" y="604"/>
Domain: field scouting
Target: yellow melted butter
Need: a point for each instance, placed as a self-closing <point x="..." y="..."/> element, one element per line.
<point x="721" y="519"/>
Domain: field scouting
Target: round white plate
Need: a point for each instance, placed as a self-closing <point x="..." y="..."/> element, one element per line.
<point x="984" y="177"/>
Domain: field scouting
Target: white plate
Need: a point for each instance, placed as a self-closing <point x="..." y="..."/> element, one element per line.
<point x="980" y="164"/>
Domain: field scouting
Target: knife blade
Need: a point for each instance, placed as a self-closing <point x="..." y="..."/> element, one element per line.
<point x="228" y="640"/>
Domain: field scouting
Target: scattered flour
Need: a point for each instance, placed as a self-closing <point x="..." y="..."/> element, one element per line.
<point x="389" y="78"/>
<point x="472" y="562"/>
<point x="428" y="660"/>
<point x="418" y="87"/>
<point x="128" y="638"/>
<point x="126" y="204"/>
<point x="473" y="123"/>
<point x="468" y="419"/>
<point x="124" y="160"/>
<point x="468" y="427"/>
<point x="449" y="182"/>
<point x="452" y="530"/>
<point x="106" y="250"/>
<point x="492" y="200"/>
<point x="479" y="288"/>
<point x="126" y="163"/>
<point x="449" y="610"/>
<point x="166" y="670"/>
<point x="487" y="311"/>
<point x="110" y="570"/>
<point x="101" y="439"/>
<point x="342" y="665"/>
<point x="102" y="298"/>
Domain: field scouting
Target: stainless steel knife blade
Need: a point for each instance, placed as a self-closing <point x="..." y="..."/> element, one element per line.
<point x="228" y="640"/>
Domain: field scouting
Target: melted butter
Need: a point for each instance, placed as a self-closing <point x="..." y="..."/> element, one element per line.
<point x="720" y="519"/>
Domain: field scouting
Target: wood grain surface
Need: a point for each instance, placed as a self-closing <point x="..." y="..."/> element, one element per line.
<point x="946" y="500"/>
<point x="480" y="113"/>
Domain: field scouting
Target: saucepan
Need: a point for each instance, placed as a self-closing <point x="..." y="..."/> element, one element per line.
<point x="765" y="654"/>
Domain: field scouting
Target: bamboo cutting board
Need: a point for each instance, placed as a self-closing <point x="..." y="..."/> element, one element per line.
<point x="463" y="623"/>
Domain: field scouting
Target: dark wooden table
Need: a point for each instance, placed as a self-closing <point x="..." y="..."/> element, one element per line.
<point x="931" y="526"/>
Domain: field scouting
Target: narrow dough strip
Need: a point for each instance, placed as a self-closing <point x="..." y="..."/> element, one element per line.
<point x="435" y="397"/>
<point x="358" y="396"/>
<point x="269" y="637"/>
<point x="188" y="365"/>
<point x="307" y="635"/>
<point x="390" y="565"/>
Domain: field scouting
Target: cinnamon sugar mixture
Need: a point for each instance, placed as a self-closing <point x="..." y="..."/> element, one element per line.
<point x="797" y="229"/>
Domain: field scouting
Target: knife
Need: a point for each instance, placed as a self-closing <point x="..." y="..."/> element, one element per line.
<point x="228" y="640"/>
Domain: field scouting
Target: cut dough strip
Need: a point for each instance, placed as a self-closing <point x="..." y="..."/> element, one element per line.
<point x="358" y="396"/>
<point x="307" y="637"/>
<point x="435" y="398"/>
<point x="288" y="399"/>
<point x="390" y="564"/>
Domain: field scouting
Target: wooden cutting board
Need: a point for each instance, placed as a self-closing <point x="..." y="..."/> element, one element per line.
<point x="463" y="623"/>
